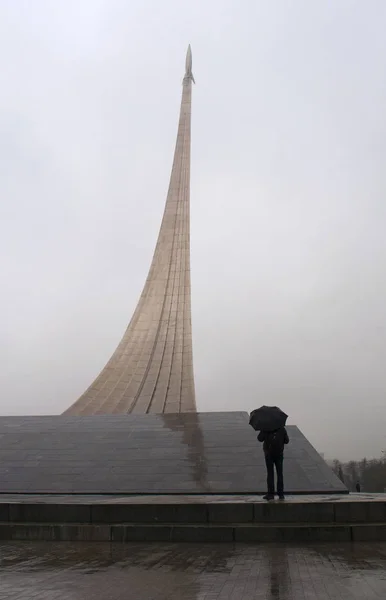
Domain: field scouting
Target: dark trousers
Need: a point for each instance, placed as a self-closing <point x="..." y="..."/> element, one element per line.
<point x="272" y="462"/>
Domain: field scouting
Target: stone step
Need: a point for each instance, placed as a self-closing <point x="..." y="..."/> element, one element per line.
<point x="200" y="513"/>
<point x="193" y="532"/>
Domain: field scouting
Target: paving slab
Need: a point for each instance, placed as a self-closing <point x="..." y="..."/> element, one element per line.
<point x="163" y="571"/>
<point x="208" y="499"/>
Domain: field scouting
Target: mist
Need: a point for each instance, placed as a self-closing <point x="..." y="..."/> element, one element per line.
<point x="288" y="183"/>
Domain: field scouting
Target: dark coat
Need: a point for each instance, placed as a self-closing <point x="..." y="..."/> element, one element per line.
<point x="264" y="436"/>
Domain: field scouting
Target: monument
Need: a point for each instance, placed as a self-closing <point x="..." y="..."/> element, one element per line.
<point x="151" y="371"/>
<point x="132" y="459"/>
<point x="136" y="429"/>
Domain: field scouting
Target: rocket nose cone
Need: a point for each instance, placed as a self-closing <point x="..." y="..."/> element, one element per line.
<point x="188" y="61"/>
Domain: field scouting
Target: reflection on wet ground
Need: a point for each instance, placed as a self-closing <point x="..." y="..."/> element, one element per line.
<point x="192" y="572"/>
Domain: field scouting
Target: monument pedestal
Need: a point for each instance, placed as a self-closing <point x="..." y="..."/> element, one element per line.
<point x="168" y="477"/>
<point x="182" y="453"/>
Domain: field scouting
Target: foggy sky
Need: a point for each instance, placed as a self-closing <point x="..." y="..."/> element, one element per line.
<point x="287" y="200"/>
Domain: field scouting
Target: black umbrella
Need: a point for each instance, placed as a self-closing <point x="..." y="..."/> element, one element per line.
<point x="267" y="418"/>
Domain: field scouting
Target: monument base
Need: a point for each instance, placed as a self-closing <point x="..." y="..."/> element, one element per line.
<point x="192" y="453"/>
<point x="193" y="518"/>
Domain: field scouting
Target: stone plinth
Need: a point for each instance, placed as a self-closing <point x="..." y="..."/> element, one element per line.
<point x="199" y="453"/>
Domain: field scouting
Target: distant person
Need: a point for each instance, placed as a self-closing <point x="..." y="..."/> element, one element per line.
<point x="273" y="446"/>
<point x="358" y="487"/>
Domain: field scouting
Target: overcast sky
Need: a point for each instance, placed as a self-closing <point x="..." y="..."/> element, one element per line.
<point x="288" y="192"/>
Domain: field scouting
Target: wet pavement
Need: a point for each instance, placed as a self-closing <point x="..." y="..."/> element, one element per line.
<point x="65" y="571"/>
<point x="155" y="499"/>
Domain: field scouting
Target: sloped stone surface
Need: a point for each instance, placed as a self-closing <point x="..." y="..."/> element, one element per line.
<point x="212" y="453"/>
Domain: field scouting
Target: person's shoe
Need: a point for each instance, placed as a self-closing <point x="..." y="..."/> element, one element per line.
<point x="281" y="497"/>
<point x="269" y="497"/>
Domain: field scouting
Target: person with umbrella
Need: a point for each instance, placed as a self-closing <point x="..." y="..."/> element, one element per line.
<point x="270" y="422"/>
